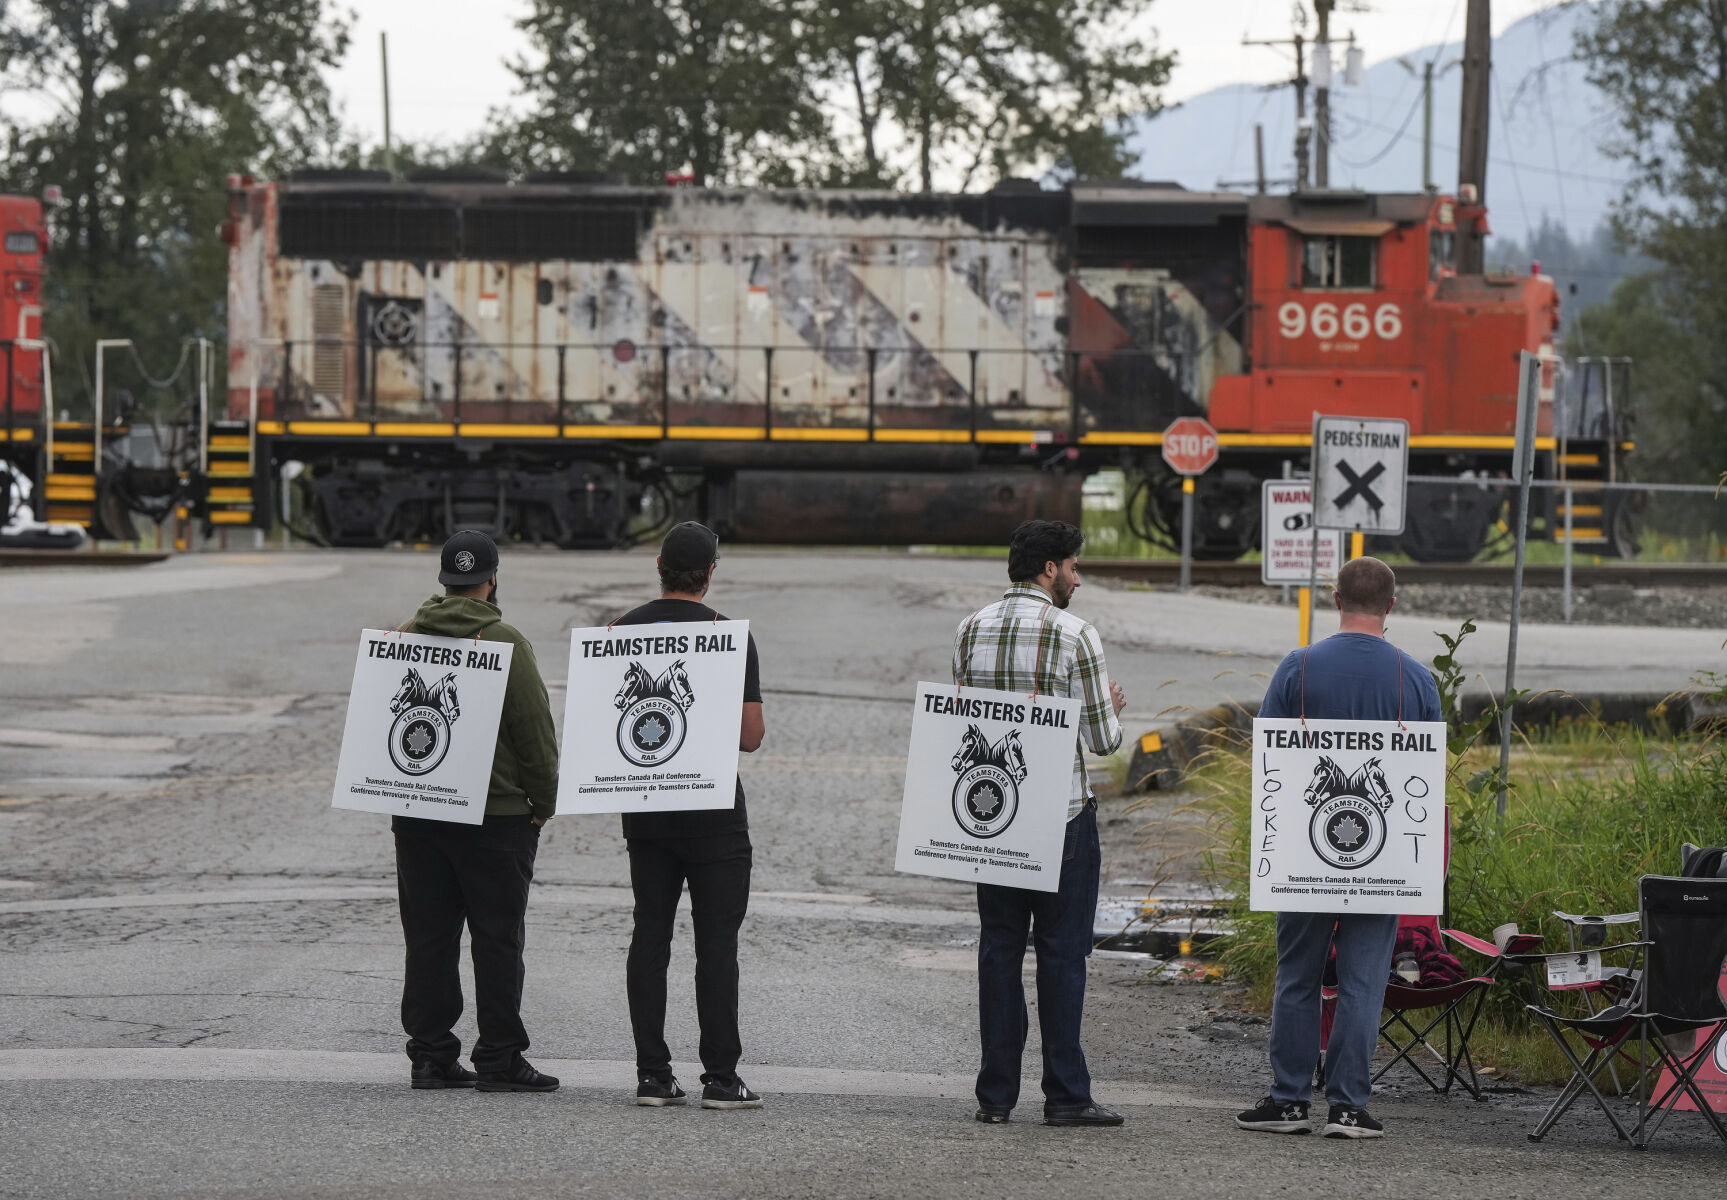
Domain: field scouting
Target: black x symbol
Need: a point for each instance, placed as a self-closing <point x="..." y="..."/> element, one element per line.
<point x="1358" y="485"/>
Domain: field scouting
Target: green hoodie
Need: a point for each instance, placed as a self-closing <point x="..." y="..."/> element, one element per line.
<point x="525" y="768"/>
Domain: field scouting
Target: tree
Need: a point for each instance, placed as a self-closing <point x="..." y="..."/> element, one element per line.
<point x="1664" y="65"/>
<point x="145" y="108"/>
<point x="721" y="89"/>
<point x="989" y="87"/>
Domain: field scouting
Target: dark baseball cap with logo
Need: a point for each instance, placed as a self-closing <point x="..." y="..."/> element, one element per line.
<point x="469" y="557"/>
<point x="690" y="546"/>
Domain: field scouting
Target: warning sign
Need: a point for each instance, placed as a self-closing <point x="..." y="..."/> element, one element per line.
<point x="1286" y="538"/>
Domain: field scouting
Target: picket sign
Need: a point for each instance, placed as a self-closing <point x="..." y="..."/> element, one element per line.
<point x="1348" y="816"/>
<point x="422" y="725"/>
<point x="652" y="716"/>
<point x="987" y="781"/>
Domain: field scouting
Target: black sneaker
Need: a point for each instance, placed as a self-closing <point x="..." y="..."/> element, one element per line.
<point x="519" y="1078"/>
<point x="993" y="1116"/>
<point x="729" y="1095"/>
<point x="1273" y="1116"/>
<point x="434" y="1075"/>
<point x="1344" y="1121"/>
<point x="654" y="1092"/>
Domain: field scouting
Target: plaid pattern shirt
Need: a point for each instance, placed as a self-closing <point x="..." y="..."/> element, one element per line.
<point x="1023" y="643"/>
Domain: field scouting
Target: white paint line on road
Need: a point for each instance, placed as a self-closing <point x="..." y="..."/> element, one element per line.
<point x="354" y="1067"/>
<point x="786" y="905"/>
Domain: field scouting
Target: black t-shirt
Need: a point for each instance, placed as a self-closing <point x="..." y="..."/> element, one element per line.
<point x="699" y="822"/>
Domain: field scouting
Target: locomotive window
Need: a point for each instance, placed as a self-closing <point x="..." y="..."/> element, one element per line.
<point x="1441" y="251"/>
<point x="1337" y="262"/>
<point x="23" y="243"/>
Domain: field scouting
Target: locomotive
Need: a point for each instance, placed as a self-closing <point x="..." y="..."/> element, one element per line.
<point x="573" y="360"/>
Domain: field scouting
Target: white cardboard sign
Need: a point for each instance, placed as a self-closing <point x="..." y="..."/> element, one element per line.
<point x="1348" y="816"/>
<point x="987" y="781"/>
<point x="422" y="725"/>
<point x="1361" y="472"/>
<point x="1286" y="538"/>
<point x="652" y="717"/>
<point x="1571" y="971"/>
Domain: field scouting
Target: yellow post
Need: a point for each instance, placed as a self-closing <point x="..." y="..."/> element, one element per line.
<point x="1357" y="544"/>
<point x="1306" y="610"/>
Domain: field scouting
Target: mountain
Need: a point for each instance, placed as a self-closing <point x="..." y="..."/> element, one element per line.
<point x="1544" y="142"/>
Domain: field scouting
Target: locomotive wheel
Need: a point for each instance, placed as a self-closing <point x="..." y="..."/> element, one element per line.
<point x="1448" y="522"/>
<point x="1621" y="527"/>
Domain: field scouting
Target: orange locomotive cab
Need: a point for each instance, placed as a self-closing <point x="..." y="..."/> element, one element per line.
<point x="1357" y="310"/>
<point x="23" y="240"/>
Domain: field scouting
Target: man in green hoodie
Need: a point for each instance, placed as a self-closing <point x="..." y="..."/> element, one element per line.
<point x="448" y="874"/>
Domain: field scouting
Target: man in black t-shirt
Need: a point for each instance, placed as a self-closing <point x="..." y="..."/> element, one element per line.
<point x="708" y="847"/>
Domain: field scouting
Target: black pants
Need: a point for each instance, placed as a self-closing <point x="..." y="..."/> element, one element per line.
<point x="718" y="870"/>
<point x="448" y="874"/>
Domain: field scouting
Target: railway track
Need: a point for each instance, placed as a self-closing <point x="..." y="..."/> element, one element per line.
<point x="80" y="558"/>
<point x="1236" y="574"/>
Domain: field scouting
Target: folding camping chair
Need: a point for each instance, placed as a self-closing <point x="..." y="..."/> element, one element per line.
<point x="1685" y="943"/>
<point x="1458" y="1007"/>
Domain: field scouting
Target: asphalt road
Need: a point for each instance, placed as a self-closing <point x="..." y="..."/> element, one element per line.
<point x="200" y="960"/>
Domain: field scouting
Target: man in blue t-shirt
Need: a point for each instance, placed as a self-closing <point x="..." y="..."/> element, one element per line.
<point x="1353" y="675"/>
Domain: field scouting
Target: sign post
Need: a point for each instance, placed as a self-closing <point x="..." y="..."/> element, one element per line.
<point x="987" y="782"/>
<point x="651" y="717"/>
<point x="1522" y="467"/>
<point x="1190" y="449"/>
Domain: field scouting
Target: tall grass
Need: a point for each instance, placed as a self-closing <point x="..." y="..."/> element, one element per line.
<point x="1588" y="814"/>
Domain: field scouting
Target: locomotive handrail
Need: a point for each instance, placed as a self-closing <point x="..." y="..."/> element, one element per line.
<point x="102" y="347"/>
<point x="47" y="403"/>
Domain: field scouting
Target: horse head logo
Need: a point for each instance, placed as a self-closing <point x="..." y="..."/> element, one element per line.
<point x="675" y="685"/>
<point x="986" y="795"/>
<point x="637" y="683"/>
<point x="1011" y="756"/>
<point x="1371" y="779"/>
<point x="412" y="685"/>
<point x="973" y="749"/>
<point x="652" y="725"/>
<point x="443" y="694"/>
<point x="1328" y="781"/>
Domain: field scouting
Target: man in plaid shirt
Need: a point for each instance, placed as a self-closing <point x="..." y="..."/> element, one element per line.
<point x="1027" y="642"/>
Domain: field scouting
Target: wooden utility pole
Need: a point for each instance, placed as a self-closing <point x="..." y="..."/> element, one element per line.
<point x="1472" y="136"/>
<point x="1322" y="102"/>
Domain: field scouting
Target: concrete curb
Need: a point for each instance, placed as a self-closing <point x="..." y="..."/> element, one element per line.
<point x="1162" y="755"/>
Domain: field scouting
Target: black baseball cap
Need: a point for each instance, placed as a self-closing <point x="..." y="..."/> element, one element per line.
<point x="690" y="546"/>
<point x="469" y="557"/>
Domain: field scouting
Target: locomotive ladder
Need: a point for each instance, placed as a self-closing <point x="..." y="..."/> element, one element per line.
<point x="227" y="458"/>
<point x="69" y="450"/>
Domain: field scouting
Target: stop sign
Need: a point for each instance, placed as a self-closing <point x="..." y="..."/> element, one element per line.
<point x="1190" y="446"/>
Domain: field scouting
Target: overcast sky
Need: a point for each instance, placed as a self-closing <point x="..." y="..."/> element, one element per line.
<point x="447" y="57"/>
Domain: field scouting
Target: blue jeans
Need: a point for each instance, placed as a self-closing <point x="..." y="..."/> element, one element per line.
<point x="1061" y="923"/>
<point x="1364" y="944"/>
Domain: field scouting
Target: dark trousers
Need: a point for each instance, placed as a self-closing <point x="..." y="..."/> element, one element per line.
<point x="447" y="875"/>
<point x="1061" y="925"/>
<point x="718" y="871"/>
